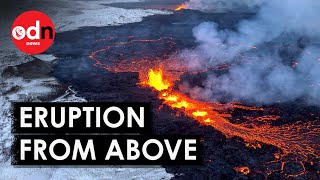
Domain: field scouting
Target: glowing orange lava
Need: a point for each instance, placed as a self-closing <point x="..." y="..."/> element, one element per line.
<point x="208" y="120"/>
<point x="156" y="81"/>
<point x="244" y="170"/>
<point x="181" y="7"/>
<point x="171" y="98"/>
<point x="199" y="113"/>
<point x="208" y="114"/>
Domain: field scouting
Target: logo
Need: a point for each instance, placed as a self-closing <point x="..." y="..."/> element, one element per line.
<point x="33" y="32"/>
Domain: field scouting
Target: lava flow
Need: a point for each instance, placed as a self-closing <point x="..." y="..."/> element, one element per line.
<point x="160" y="74"/>
<point x="181" y="7"/>
<point x="243" y="170"/>
<point x="288" y="138"/>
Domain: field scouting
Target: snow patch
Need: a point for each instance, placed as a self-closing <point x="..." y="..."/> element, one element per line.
<point x="107" y="16"/>
<point x="45" y="57"/>
<point x="9" y="172"/>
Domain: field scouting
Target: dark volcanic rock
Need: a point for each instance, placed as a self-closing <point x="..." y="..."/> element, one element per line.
<point x="293" y="168"/>
<point x="29" y="70"/>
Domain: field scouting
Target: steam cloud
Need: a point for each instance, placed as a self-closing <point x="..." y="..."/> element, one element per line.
<point x="278" y="50"/>
<point x="224" y="5"/>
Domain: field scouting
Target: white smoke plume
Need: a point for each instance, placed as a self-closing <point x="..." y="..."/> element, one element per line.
<point x="224" y="5"/>
<point x="268" y="75"/>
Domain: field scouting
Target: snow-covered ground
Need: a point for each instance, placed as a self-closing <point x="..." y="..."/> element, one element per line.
<point x="115" y="173"/>
<point x="100" y="15"/>
<point x="66" y="16"/>
<point x="16" y="85"/>
<point x="8" y="172"/>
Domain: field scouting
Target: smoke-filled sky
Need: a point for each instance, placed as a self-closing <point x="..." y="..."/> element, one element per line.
<point x="224" y="5"/>
<point x="279" y="48"/>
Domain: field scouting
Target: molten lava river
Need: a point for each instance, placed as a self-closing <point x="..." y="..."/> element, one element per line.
<point x="162" y="71"/>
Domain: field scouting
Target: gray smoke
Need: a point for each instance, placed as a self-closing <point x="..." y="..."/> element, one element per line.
<point x="224" y="5"/>
<point x="269" y="72"/>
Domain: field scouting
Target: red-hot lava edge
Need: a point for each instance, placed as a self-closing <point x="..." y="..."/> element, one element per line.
<point x="160" y="75"/>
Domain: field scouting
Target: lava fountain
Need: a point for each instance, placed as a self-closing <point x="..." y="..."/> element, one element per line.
<point x="181" y="7"/>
